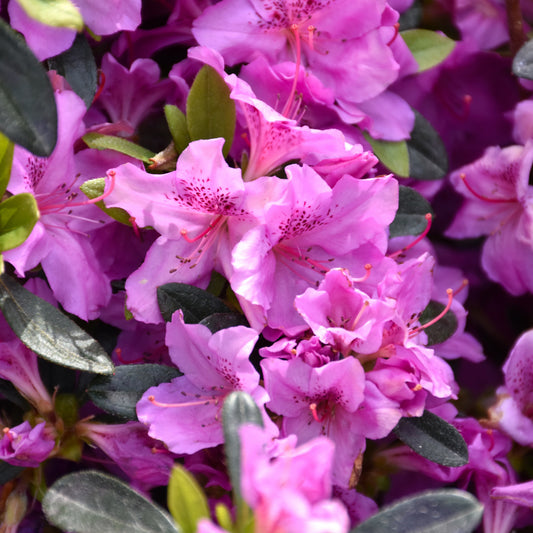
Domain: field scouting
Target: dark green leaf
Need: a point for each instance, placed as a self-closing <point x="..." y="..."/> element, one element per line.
<point x="393" y="154"/>
<point x="429" y="48"/>
<point x="444" y="328"/>
<point x="218" y="321"/>
<point x="18" y="215"/>
<point x="210" y="110"/>
<point x="428" y="159"/>
<point x="85" y="502"/>
<point x="438" y="511"/>
<point x="186" y="501"/>
<point x="6" y="160"/>
<point x="118" y="394"/>
<point x="9" y="472"/>
<point x="239" y="408"/>
<point x="28" y="113"/>
<point x="95" y="188"/>
<point x="118" y="144"/>
<point x="433" y="438"/>
<point x="412" y="17"/>
<point x="410" y="218"/>
<point x="48" y="332"/>
<point x="78" y="67"/>
<point x="523" y="62"/>
<point x="57" y="13"/>
<point x="9" y="392"/>
<point x="195" y="303"/>
<point x="177" y="124"/>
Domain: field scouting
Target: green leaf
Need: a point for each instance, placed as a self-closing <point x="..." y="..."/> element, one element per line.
<point x="48" y="332"/>
<point x="429" y="48"/>
<point x="177" y="124"/>
<point x="6" y="160"/>
<point x="428" y="159"/>
<point x="95" y="188"/>
<point x="444" y="328"/>
<point x="56" y="13"/>
<point x="18" y="215"/>
<point x="239" y="408"/>
<point x="393" y="154"/>
<point x="9" y="472"/>
<point x="118" y="144"/>
<point x="78" y="67"/>
<point x="118" y="394"/>
<point x="433" y="438"/>
<point x="436" y="511"/>
<point x="28" y="113"/>
<point x="186" y="501"/>
<point x="89" y="501"/>
<point x="410" y="218"/>
<point x="218" y="321"/>
<point x="210" y="110"/>
<point x="195" y="303"/>
<point x="523" y="61"/>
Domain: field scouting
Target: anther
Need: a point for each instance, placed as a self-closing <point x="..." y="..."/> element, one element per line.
<point x="313" y="408"/>
<point x="356" y="319"/>
<point x="310" y="36"/>
<point x="366" y="275"/>
<point x="463" y="285"/>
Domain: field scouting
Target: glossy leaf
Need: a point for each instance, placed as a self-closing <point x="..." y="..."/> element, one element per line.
<point x="18" y="216"/>
<point x="410" y="218"/>
<point x="195" y="303"/>
<point x="433" y="438"/>
<point x="428" y="159"/>
<point x="95" y="188"/>
<point x="393" y="154"/>
<point x="118" y="144"/>
<point x="57" y="13"/>
<point x="89" y="501"/>
<point x="177" y="124"/>
<point x="78" y="67"/>
<point x="210" y="110"/>
<point x="118" y="394"/>
<point x="437" y="511"/>
<point x="186" y="501"/>
<point x="6" y="161"/>
<point x="239" y="408"/>
<point x="441" y="330"/>
<point x="28" y="113"/>
<point x="48" y="332"/>
<point x="523" y="62"/>
<point x="429" y="48"/>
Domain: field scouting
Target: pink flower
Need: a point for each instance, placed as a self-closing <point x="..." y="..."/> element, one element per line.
<point x="26" y="446"/>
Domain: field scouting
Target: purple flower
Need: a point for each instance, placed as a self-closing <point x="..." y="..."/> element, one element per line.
<point x="499" y="203"/>
<point x="185" y="413"/>
<point x="26" y="446"/>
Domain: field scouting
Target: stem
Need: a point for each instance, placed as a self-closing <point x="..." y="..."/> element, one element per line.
<point x="515" y="22"/>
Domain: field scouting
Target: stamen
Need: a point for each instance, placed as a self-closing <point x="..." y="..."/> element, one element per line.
<point x="101" y="83"/>
<point x="211" y="225"/>
<point x="368" y="268"/>
<point x="396" y="31"/>
<point x="481" y="197"/>
<point x="310" y="36"/>
<point x="428" y="217"/>
<point x="118" y="351"/>
<point x="467" y="104"/>
<point x="209" y="401"/>
<point x="298" y="53"/>
<point x="357" y="317"/>
<point x="415" y="331"/>
<point x="301" y="260"/>
<point x="135" y="227"/>
<point x="313" y="408"/>
<point x="463" y="285"/>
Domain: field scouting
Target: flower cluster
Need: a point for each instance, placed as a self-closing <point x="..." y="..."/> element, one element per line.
<point x="320" y="205"/>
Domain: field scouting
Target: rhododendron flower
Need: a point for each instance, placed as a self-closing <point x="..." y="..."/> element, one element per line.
<point x="194" y="209"/>
<point x="185" y="413"/>
<point x="27" y="446"/>
<point x="499" y="203"/>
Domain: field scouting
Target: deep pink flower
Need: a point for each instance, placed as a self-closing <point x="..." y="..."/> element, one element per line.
<point x="26" y="446"/>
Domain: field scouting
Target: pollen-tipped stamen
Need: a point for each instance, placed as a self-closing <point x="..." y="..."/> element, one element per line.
<point x="207" y="401"/>
<point x="298" y="53"/>
<point x="415" y="331"/>
<point x="480" y="196"/>
<point x="366" y="275"/>
<point x="429" y="219"/>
